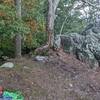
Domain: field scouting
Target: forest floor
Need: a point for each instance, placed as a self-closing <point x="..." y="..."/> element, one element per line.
<point x="61" y="78"/>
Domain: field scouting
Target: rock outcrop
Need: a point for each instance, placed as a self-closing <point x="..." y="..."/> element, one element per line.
<point x="85" y="45"/>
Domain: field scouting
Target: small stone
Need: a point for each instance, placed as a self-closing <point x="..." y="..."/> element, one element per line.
<point x="41" y="58"/>
<point x="71" y="85"/>
<point x="25" y="67"/>
<point x="7" y="65"/>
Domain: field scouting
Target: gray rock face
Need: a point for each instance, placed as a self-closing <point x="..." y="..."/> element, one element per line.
<point x="85" y="46"/>
<point x="7" y="65"/>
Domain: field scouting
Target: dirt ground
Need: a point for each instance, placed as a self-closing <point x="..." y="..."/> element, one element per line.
<point x="61" y="78"/>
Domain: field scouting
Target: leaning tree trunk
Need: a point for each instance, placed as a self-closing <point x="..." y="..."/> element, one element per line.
<point x="18" y="35"/>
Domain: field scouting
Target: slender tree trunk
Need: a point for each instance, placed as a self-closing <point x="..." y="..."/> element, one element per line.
<point x="18" y="45"/>
<point x="18" y="35"/>
<point x="50" y="23"/>
<point x="64" y="22"/>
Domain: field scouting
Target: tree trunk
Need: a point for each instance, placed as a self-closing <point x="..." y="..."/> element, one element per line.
<point x="18" y="45"/>
<point x="52" y="6"/>
<point x="18" y="35"/>
<point x="50" y="23"/>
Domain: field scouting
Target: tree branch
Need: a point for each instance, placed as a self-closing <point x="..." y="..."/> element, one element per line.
<point x="95" y="6"/>
<point x="55" y="3"/>
<point x="63" y="25"/>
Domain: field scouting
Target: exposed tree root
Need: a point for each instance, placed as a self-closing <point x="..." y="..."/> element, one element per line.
<point x="42" y="49"/>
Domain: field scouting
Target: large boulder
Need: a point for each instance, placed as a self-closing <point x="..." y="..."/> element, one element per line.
<point x="85" y="45"/>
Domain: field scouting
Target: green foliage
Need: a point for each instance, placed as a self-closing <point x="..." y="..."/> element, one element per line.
<point x="7" y="47"/>
<point x="18" y="26"/>
<point x="38" y="39"/>
<point x="9" y="26"/>
<point x="34" y="23"/>
<point x="35" y="10"/>
<point x="73" y="22"/>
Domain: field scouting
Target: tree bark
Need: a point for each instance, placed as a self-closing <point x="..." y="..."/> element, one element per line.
<point x="18" y="35"/>
<point x="18" y="45"/>
<point x="52" y="6"/>
<point x="50" y="22"/>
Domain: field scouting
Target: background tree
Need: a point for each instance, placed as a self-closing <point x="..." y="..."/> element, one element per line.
<point x="9" y="25"/>
<point x="18" y="35"/>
